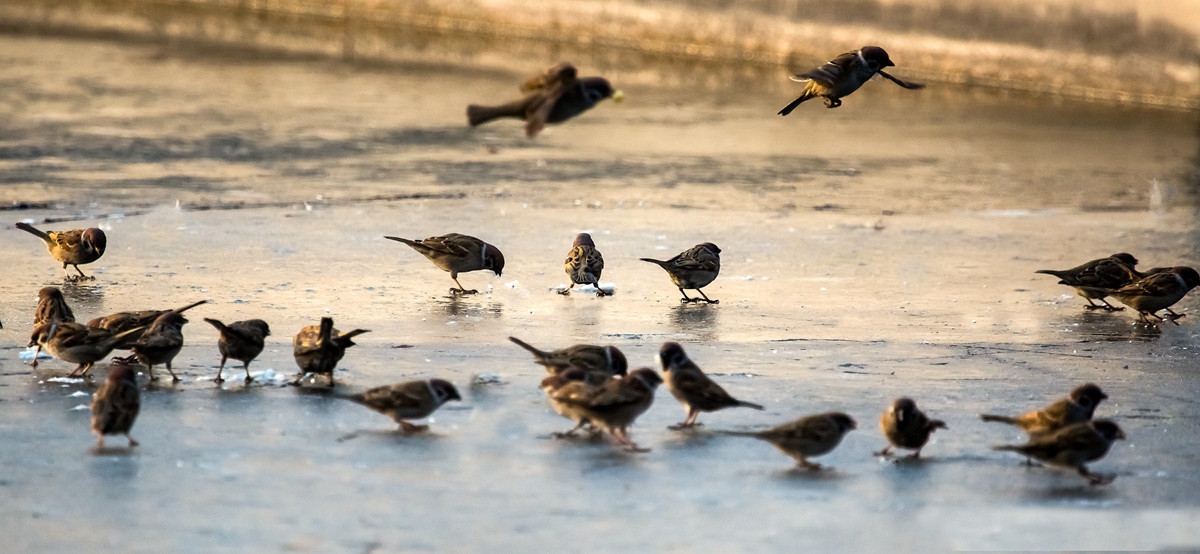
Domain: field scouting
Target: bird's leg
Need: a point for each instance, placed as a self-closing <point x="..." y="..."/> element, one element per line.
<point x="249" y="379"/>
<point x="599" y="291"/>
<point x="219" y="380"/>
<point x="67" y="274"/>
<point x="80" y="370"/>
<point x="36" y="350"/>
<point x="915" y="455"/>
<point x="832" y="102"/>
<point x="461" y="289"/>
<point x="331" y="383"/>
<point x="83" y="277"/>
<point x="406" y="427"/>
<point x="174" y="378"/>
<point x="1096" y="478"/>
<point x="803" y="462"/>
<point x="571" y="433"/>
<point x="1109" y="307"/>
<point x="688" y="422"/>
<point x="1174" y="315"/>
<point x="150" y="368"/>
<point x="100" y="442"/>
<point x="706" y="297"/>
<point x="1092" y="305"/>
<point x="685" y="298"/>
<point x="886" y="452"/>
<point x="132" y="443"/>
<point x="567" y="292"/>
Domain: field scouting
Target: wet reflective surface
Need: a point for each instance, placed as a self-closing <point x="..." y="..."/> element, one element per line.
<point x="882" y="249"/>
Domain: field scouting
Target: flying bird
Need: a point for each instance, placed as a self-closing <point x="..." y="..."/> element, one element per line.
<point x="554" y="96"/>
<point x="843" y="75"/>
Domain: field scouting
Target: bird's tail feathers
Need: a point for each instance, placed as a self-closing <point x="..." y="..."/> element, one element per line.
<point x="31" y="230"/>
<point x="117" y="338"/>
<point x="353" y="333"/>
<point x="326" y="331"/>
<point x="190" y="306"/>
<point x="1008" y="448"/>
<point x="539" y="354"/>
<point x="478" y="115"/>
<point x="803" y="97"/>
<point x="217" y="323"/>
<point x="754" y="434"/>
<point x="998" y="419"/>
<point x="744" y="404"/>
<point x="660" y="263"/>
<point x="1056" y="273"/>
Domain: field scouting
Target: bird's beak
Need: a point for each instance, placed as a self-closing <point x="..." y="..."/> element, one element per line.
<point x="618" y="97"/>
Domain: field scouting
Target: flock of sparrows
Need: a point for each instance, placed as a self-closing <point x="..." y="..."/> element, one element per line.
<point x="589" y="385"/>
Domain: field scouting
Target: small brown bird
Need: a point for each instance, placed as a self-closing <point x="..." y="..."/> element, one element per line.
<point x="408" y="400"/>
<point x="116" y="403"/>
<point x="1073" y="446"/>
<point x="907" y="427"/>
<point x="319" y="348"/>
<point x="807" y="437"/>
<point x="51" y="308"/>
<point x="693" y="269"/>
<point x="1093" y="280"/>
<point x="598" y="362"/>
<point x="572" y="383"/>
<point x="692" y="388"/>
<point x="161" y="343"/>
<point x="72" y="248"/>
<point x="78" y="344"/>
<point x="456" y="254"/>
<point x="1158" y="292"/>
<point x="584" y="264"/>
<point x="554" y="96"/>
<point x="843" y="75"/>
<point x="123" y="321"/>
<point x="240" y="340"/>
<point x="614" y="406"/>
<point x="1077" y="407"/>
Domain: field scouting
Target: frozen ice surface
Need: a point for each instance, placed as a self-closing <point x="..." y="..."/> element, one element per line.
<point x="27" y="355"/>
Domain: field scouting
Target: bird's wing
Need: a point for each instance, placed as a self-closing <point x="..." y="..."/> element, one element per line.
<point x="550" y="77"/>
<point x="67" y="239"/>
<point x="453" y="244"/>
<point x="697" y="384"/>
<point x="831" y="72"/>
<point x="905" y="84"/>
<point x="1160" y="284"/>
<point x="541" y="108"/>
<point x="698" y="258"/>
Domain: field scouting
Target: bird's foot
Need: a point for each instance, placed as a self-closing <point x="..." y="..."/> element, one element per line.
<point x="463" y="292"/>
<point x="218" y="380"/>
<point x="686" y="300"/>
<point x="601" y="294"/>
<point x="565" y="292"/>
<point x="1095" y="307"/>
<point x="713" y="301"/>
<point x="832" y="103"/>
<point x="34" y="363"/>
<point x="563" y="434"/>
<point x="886" y="452"/>
<point x="633" y="447"/>
<point x="1095" y="479"/>
<point x="811" y="466"/>
<point x="132" y="443"/>
<point x="249" y="379"/>
<point x="684" y="425"/>
<point x="408" y="428"/>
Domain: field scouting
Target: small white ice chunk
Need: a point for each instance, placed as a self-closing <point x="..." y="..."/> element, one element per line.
<point x="488" y="378"/>
<point x="64" y="380"/>
<point x="78" y="393"/>
<point x="27" y="355"/>
<point x="80" y="408"/>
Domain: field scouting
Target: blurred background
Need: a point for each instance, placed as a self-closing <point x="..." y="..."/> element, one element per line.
<point x="1127" y="51"/>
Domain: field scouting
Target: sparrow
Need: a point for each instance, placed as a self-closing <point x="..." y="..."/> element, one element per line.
<point x="456" y="254"/>
<point x="597" y="362"/>
<point x="554" y="96"/>
<point x="614" y="406"/>
<point x="564" y="385"/>
<point x="72" y="248"/>
<point x="1073" y="446"/>
<point x="161" y="343"/>
<point x="807" y="437"/>
<point x="693" y="269"/>
<point x="692" y="388"/>
<point x="319" y="348"/>
<point x="1093" y="279"/>
<point x="51" y="308"/>
<point x="1077" y="407"/>
<point x="240" y="340"/>
<point x="116" y="403"/>
<point x="408" y="400"/>
<point x="584" y="264"/>
<point x="123" y="321"/>
<point x="907" y="427"/>
<point x="78" y="344"/>
<point x="843" y="75"/>
<point x="1158" y="292"/>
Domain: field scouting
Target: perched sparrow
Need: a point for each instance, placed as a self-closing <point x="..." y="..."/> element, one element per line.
<point x="72" y="248"/>
<point x="51" y="308"/>
<point x="692" y="388"/>
<point x="1073" y="446"/>
<point x="571" y="383"/>
<point x="123" y="321"/>
<point x="907" y="427"/>
<point x="1158" y="292"/>
<point x="240" y="340"/>
<point x="78" y="344"/>
<point x="1077" y="407"/>
<point x="597" y="362"/>
<point x="614" y="406"/>
<point x="843" y="75"/>
<point x="693" y="269"/>
<point x="116" y="403"/>
<point x="807" y="437"/>
<point x="456" y="254"/>
<point x="584" y="264"/>
<point x="1094" y="279"/>
<point x="408" y="400"/>
<point x="552" y="97"/>
<point x="319" y="348"/>
<point x="161" y="343"/>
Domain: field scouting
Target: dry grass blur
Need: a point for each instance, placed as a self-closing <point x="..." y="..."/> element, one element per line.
<point x="1116" y="50"/>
